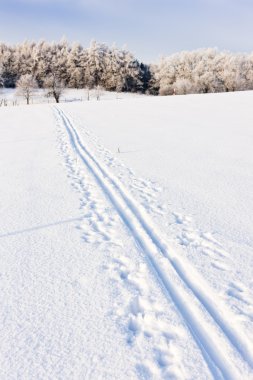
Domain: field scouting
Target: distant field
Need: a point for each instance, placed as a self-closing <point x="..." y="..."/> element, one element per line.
<point x="69" y="95"/>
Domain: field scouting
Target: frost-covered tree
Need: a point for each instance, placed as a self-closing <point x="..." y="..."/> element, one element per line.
<point x="130" y="71"/>
<point x="246" y="72"/>
<point x="54" y="87"/>
<point x="200" y="71"/>
<point x="9" y="70"/>
<point x="24" y="58"/>
<point x="112" y="77"/>
<point x="59" y="63"/>
<point x="95" y="67"/>
<point x="183" y="86"/>
<point x="77" y="60"/>
<point x="77" y="67"/>
<point x="42" y="58"/>
<point x="206" y="70"/>
<point x="26" y="86"/>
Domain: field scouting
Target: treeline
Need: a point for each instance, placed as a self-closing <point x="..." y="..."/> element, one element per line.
<point x="113" y="69"/>
<point x="76" y="67"/>
<point x="203" y="71"/>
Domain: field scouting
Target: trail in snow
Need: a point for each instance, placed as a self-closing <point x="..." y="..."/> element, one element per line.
<point x="55" y="296"/>
<point x="158" y="342"/>
<point x="192" y="230"/>
<point x="225" y="349"/>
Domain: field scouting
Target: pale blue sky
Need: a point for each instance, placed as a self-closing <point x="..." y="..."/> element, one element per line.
<point x="149" y="28"/>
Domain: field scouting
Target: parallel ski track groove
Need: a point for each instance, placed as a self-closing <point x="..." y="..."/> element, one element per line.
<point x="151" y="242"/>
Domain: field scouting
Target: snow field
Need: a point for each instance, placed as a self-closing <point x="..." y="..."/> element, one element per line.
<point x="68" y="96"/>
<point x="55" y="299"/>
<point x="201" y="330"/>
<point x="163" y="351"/>
<point x="124" y="271"/>
<point x="199" y="162"/>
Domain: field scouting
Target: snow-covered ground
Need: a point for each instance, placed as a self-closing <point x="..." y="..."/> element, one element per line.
<point x="126" y="239"/>
<point x="10" y="97"/>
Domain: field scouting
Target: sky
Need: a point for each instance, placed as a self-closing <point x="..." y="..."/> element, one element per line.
<point x="150" y="29"/>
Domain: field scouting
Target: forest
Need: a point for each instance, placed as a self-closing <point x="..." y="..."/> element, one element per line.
<point x="114" y="69"/>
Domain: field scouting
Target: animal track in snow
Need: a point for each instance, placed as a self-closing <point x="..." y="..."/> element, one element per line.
<point x="242" y="299"/>
<point x="98" y="223"/>
<point x="145" y="190"/>
<point x="180" y="282"/>
<point x="144" y="318"/>
<point x="204" y="242"/>
<point x="239" y="296"/>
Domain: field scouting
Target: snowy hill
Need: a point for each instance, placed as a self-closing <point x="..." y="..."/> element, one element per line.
<point x="126" y="239"/>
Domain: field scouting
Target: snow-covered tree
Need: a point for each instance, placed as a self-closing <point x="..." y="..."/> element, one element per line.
<point x="54" y="87"/>
<point x="9" y="70"/>
<point x="205" y="70"/>
<point x="26" y="86"/>
<point x="77" y="61"/>
<point x="246" y="72"/>
<point x="200" y="71"/>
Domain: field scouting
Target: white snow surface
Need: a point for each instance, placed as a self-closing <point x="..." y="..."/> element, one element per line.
<point x="126" y="239"/>
<point x="39" y="96"/>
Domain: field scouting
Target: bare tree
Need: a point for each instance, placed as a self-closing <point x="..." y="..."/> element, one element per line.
<point x="89" y="87"/>
<point x="26" y="86"/>
<point x="99" y="92"/>
<point x="55" y="87"/>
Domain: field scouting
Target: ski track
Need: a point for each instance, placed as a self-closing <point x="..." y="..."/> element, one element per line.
<point x="139" y="314"/>
<point x="226" y="351"/>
